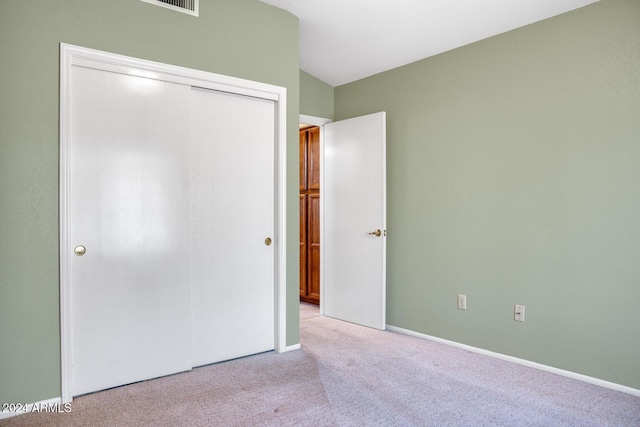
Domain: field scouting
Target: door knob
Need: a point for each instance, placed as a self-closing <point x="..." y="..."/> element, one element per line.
<point x="376" y="233"/>
<point x="267" y="241"/>
<point x="79" y="250"/>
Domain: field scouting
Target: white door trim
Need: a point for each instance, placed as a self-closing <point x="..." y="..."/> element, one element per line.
<point x="71" y="56"/>
<point x="313" y="120"/>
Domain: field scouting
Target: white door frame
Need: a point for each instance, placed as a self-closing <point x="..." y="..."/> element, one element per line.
<point x="71" y="56"/>
<point x="320" y="122"/>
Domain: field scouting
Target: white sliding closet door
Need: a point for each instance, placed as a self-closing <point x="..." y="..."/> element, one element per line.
<point x="168" y="219"/>
<point x="232" y="203"/>
<point x="128" y="207"/>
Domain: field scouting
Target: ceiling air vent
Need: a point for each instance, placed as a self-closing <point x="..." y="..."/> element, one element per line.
<point x="185" y="6"/>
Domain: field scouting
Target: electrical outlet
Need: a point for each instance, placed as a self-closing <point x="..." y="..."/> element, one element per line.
<point x="462" y="302"/>
<point x="518" y="313"/>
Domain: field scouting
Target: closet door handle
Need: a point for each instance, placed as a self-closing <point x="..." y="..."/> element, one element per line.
<point x="267" y="241"/>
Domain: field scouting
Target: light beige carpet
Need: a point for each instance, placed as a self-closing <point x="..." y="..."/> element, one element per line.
<point x="347" y="375"/>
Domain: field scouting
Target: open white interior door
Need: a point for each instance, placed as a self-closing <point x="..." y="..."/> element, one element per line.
<point x="354" y="225"/>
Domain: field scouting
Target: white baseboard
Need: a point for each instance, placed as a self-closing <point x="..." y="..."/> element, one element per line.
<point x="292" y="347"/>
<point x="530" y="364"/>
<point x="29" y="407"/>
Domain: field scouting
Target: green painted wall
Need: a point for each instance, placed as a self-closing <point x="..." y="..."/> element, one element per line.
<point x="316" y="97"/>
<point x="242" y="38"/>
<point x="514" y="178"/>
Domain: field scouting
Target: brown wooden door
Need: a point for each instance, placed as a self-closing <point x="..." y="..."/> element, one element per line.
<point x="310" y="215"/>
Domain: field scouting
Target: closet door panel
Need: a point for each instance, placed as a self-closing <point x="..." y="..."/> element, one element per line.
<point x="313" y="159"/>
<point x="313" y="263"/>
<point x="128" y="209"/>
<point x="232" y="208"/>
<point x="303" y="245"/>
<point x="303" y="160"/>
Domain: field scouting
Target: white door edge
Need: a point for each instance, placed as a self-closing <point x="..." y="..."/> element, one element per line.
<point x="71" y="56"/>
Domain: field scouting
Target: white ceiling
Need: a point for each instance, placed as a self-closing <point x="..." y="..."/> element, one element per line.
<point x="345" y="40"/>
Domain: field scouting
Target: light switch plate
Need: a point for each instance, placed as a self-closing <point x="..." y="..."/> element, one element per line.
<point x="462" y="302"/>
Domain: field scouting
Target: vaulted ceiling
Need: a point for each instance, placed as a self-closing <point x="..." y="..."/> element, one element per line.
<point x="345" y="40"/>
